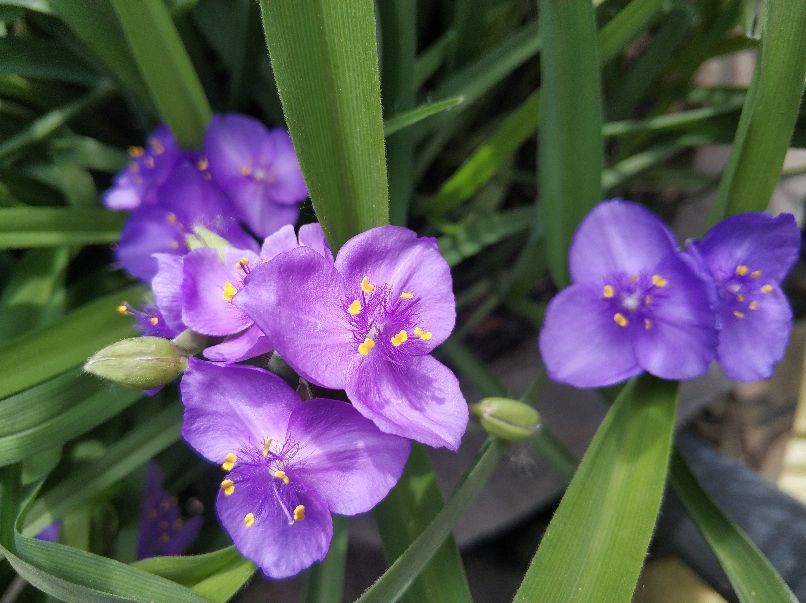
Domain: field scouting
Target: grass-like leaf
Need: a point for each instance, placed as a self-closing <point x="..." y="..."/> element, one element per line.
<point x="22" y="227"/>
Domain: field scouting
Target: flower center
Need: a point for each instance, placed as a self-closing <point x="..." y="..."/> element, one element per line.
<point x="630" y="298"/>
<point x="743" y="291"/>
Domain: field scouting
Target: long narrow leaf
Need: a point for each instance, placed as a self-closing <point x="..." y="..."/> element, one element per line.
<point x="22" y="227"/>
<point x="324" y="582"/>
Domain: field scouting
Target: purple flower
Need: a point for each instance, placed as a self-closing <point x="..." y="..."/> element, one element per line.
<point x="367" y="324"/>
<point x="748" y="256"/>
<point x="289" y="463"/>
<point x="635" y="304"/>
<point x="162" y="529"/>
<point x="258" y="169"/>
<point x="149" y="167"/>
<point x="149" y="321"/>
<point x="50" y="533"/>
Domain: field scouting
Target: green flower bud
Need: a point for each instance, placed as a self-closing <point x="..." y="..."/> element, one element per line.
<point x="506" y="418"/>
<point x="139" y="362"/>
<point x="190" y="341"/>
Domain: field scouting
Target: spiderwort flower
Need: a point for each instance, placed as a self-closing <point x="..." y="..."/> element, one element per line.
<point x="163" y="531"/>
<point x="748" y="256"/>
<point x="289" y="463"/>
<point x="258" y="170"/>
<point x="634" y="304"/>
<point x="367" y="324"/>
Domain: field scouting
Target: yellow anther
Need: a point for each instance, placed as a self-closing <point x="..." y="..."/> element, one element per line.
<point x="228" y="487"/>
<point x="163" y="525"/>
<point x="241" y="263"/>
<point x="633" y="278"/>
<point x="354" y="308"/>
<point x="249" y="520"/>
<point x="755" y="273"/>
<point x="154" y="320"/>
<point x="229" y="291"/>
<point x="152" y="514"/>
<point x="648" y="299"/>
<point x="149" y="161"/>
<point x="136" y="151"/>
<point x="406" y="295"/>
<point x="202" y="164"/>
<point x="173" y="244"/>
<point x="164" y="538"/>
<point x="366" y="286"/>
<point x="165" y="504"/>
<point x="170" y="217"/>
<point x="740" y="298"/>
<point x="741" y="269"/>
<point x="659" y="281"/>
<point x="424" y="335"/>
<point x="400" y="338"/>
<point x="299" y="512"/>
<point x="122" y="310"/>
<point x="178" y="524"/>
<point x="620" y="319"/>
<point x="608" y="291"/>
<point x="738" y="314"/>
<point x="364" y="348"/>
<point x="280" y="474"/>
<point x="647" y="324"/>
<point x="766" y="289"/>
<point x="266" y="445"/>
<point x="245" y="170"/>
<point x="156" y="146"/>
<point x="753" y="305"/>
<point x="134" y="168"/>
<point x="229" y="462"/>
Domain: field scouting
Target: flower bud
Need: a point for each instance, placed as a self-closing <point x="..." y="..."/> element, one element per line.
<point x="190" y="342"/>
<point x="138" y="362"/>
<point x="506" y="418"/>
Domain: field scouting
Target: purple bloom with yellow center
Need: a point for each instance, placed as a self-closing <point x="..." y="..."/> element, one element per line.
<point x="748" y="256"/>
<point x="635" y="304"/>
<point x="367" y="323"/>
<point x="289" y="464"/>
<point x="150" y="166"/>
<point x="149" y="320"/>
<point x="163" y="530"/>
<point x="258" y="169"/>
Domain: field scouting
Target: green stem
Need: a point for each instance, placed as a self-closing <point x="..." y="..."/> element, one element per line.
<point x="324" y="583"/>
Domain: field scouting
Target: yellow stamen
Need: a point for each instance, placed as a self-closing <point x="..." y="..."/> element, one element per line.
<point x="766" y="289"/>
<point x="154" y="320"/>
<point x="647" y="324"/>
<point x="366" y="286"/>
<point x="741" y="270"/>
<point x="354" y="308"/>
<point x="173" y="244"/>
<point x="170" y="217"/>
<point x="400" y="338"/>
<point x="228" y="487"/>
<point x="178" y="524"/>
<point x="245" y="170"/>
<point x="164" y="538"/>
<point x="122" y="310"/>
<point x="134" y="168"/>
<point x="406" y="295"/>
<point x="740" y="298"/>
<point x="149" y="161"/>
<point x="659" y="281"/>
<point x="755" y="273"/>
<point x="156" y="146"/>
<point x="299" y="512"/>
<point x="241" y="263"/>
<point x="620" y="319"/>
<point x="424" y="335"/>
<point x="136" y="151"/>
<point x="648" y="300"/>
<point x="280" y="474"/>
<point x="633" y="278"/>
<point x="229" y="462"/>
<point x="754" y="305"/>
<point x="203" y="164"/>
<point x="738" y="314"/>
<point x="163" y="525"/>
<point x="249" y="520"/>
<point x="266" y="445"/>
<point x="364" y="348"/>
<point x="229" y="291"/>
<point x="608" y="291"/>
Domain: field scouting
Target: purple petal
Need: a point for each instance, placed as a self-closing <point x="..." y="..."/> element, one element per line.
<point x="280" y="549"/>
<point x="395" y="257"/>
<point x="618" y="237"/>
<point x="230" y="143"/>
<point x="755" y="240"/>
<point x="167" y="288"/>
<point x="750" y="347"/>
<point x="149" y="230"/>
<point x="287" y="185"/>
<point x="420" y="399"/>
<point x="50" y="533"/>
<point x="681" y="339"/>
<point x="312" y="235"/>
<point x="581" y="344"/>
<point x="229" y="406"/>
<point x="280" y="241"/>
<point x="347" y="459"/>
<point x="297" y="299"/>
<point x="242" y="346"/>
<point x="256" y="208"/>
<point x="205" y="282"/>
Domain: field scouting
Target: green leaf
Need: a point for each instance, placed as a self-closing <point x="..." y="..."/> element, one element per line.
<point x="45" y="353"/>
<point x="392" y="585"/>
<point x="571" y="149"/>
<point x="750" y="573"/>
<point x="35" y="58"/>
<point x="468" y="19"/>
<point x="22" y="227"/>
<point x="166" y="68"/>
<point x="482" y="231"/>
<point x="403" y="516"/>
<point x="409" y="118"/>
<point x="334" y="112"/>
<point x="324" y="582"/>
<point x="223" y="585"/>
<point x="184" y="569"/>
<point x="769" y="113"/>
<point x="595" y="545"/>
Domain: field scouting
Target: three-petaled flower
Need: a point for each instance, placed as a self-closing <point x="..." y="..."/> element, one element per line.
<point x="289" y="464"/>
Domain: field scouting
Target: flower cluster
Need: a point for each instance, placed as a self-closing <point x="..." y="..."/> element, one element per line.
<point x="245" y="180"/>
<point x="637" y="303"/>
